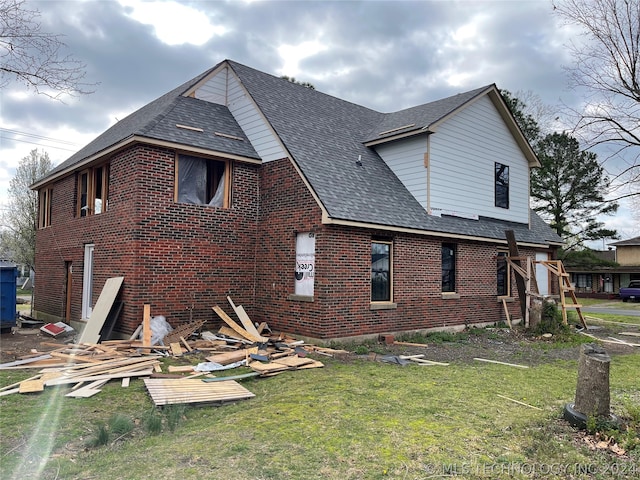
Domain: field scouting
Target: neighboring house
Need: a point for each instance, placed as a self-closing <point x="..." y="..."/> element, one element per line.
<point x="605" y="281"/>
<point x="323" y="218"/>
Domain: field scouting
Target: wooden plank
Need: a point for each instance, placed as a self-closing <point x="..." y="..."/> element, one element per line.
<point x="237" y="328"/>
<point x="91" y="331"/>
<point x="518" y="402"/>
<point x="630" y="334"/>
<point x="506" y="312"/>
<point x="500" y="363"/>
<point x="293" y="361"/>
<point x="176" y="349"/>
<point x="146" y="325"/>
<point x="231" y="357"/>
<point x="180" y="368"/>
<point x="267" y="367"/>
<point x="520" y="284"/>
<point x="30" y="386"/>
<point x="229" y="332"/>
<point x="245" y="320"/>
<point x="186" y="344"/>
<point x="17" y="384"/>
<point x="126" y="381"/>
<point x="25" y="361"/>
<point x="179" y="391"/>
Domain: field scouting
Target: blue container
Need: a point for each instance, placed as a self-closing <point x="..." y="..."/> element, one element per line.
<point x="8" y="295"/>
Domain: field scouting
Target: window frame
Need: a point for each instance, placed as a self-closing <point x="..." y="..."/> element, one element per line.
<point x="452" y="271"/>
<point x="96" y="187"/>
<point x="45" y="196"/>
<point x="501" y="185"/>
<point x="507" y="274"/>
<point x="389" y="271"/>
<point x="226" y="177"/>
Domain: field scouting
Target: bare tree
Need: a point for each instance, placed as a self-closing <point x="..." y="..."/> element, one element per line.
<point x="607" y="66"/>
<point x="21" y="216"/>
<point x="35" y="58"/>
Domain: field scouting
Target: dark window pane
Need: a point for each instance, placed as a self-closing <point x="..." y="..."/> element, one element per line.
<point x="448" y="267"/>
<point x="380" y="272"/>
<point x="502" y="185"/>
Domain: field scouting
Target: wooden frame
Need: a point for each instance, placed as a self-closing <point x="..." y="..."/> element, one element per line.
<point x="92" y="185"/>
<point x="44" y="207"/>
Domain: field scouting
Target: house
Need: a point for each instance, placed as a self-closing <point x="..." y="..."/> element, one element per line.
<point x="619" y="267"/>
<point x="323" y="218"/>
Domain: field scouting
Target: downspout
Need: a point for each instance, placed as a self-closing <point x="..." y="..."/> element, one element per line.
<point x="428" y="167"/>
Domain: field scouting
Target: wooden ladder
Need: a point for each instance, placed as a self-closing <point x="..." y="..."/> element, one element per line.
<point x="557" y="268"/>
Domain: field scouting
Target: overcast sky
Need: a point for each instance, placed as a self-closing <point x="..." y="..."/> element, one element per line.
<point x="386" y="55"/>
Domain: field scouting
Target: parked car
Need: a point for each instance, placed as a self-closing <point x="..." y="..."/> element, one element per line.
<point x="631" y="292"/>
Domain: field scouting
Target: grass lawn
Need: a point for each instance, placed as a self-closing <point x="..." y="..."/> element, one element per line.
<point x="355" y="419"/>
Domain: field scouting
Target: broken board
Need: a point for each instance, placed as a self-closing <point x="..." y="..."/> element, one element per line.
<point x="166" y="391"/>
<point x="91" y="332"/>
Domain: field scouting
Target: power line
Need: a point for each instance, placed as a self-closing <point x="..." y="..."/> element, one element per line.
<point x="40" y="137"/>
<point x="36" y="143"/>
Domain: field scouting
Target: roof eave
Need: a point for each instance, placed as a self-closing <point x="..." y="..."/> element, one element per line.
<point x="139" y="139"/>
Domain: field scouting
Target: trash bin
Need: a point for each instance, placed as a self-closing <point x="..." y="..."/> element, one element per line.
<point x="8" y="295"/>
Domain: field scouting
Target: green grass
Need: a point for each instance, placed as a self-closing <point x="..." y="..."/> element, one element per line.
<point x="349" y="420"/>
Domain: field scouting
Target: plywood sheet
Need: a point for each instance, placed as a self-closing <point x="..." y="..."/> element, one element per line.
<point x="91" y="332"/>
<point x="166" y="391"/>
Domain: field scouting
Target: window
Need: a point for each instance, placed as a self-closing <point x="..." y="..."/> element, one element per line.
<point x="502" y="275"/>
<point x="380" y="271"/>
<point x="202" y="181"/>
<point x="582" y="280"/>
<point x="502" y="185"/>
<point x="448" y="267"/>
<point x="93" y="191"/>
<point x="44" y="207"/>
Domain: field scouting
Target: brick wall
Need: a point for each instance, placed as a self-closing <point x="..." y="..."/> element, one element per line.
<point x="183" y="259"/>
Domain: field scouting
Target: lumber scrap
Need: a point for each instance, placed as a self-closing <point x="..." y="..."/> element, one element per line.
<point x="519" y="402"/>
<point x="265" y="368"/>
<point x="21" y="363"/>
<point x="146" y="325"/>
<point x="500" y="363"/>
<point x="175" y="349"/>
<point x="31" y="386"/>
<point x="231" y="357"/>
<point x="91" y="331"/>
<point x="185" y="330"/>
<point x="246" y="321"/>
<point x="237" y="328"/>
<point x="194" y="391"/>
<point x="293" y="361"/>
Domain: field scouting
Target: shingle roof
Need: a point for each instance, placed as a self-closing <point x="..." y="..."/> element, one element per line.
<point x="627" y="243"/>
<point x="325" y="136"/>
<point x="421" y="116"/>
<point x="157" y="120"/>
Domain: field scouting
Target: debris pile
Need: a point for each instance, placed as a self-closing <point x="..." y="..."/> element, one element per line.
<point x="87" y="367"/>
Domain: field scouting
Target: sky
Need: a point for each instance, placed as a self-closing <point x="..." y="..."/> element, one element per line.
<point x="385" y="55"/>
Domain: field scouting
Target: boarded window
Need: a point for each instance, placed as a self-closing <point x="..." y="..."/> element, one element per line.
<point x="305" y="264"/>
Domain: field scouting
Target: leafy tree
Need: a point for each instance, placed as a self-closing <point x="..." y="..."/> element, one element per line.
<point x="569" y="190"/>
<point x="34" y="57"/>
<point x="21" y="216"/>
<point x="526" y="121"/>
<point x="607" y="66"/>
<point x="585" y="258"/>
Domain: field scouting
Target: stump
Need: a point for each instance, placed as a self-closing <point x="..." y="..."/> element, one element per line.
<point x="592" y="392"/>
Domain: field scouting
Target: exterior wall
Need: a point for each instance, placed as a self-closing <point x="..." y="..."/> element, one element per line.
<point x="224" y="88"/>
<point x="183" y="259"/>
<point x="463" y="151"/>
<point x="341" y="304"/>
<point x="406" y="160"/>
<point x="180" y="258"/>
<point x="628" y="255"/>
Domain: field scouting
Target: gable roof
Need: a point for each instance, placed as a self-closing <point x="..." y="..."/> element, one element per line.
<point x="326" y="138"/>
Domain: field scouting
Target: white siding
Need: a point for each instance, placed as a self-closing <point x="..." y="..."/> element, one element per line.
<point x="225" y="89"/>
<point x="406" y="160"/>
<point x="463" y="151"/>
<point x="215" y="89"/>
